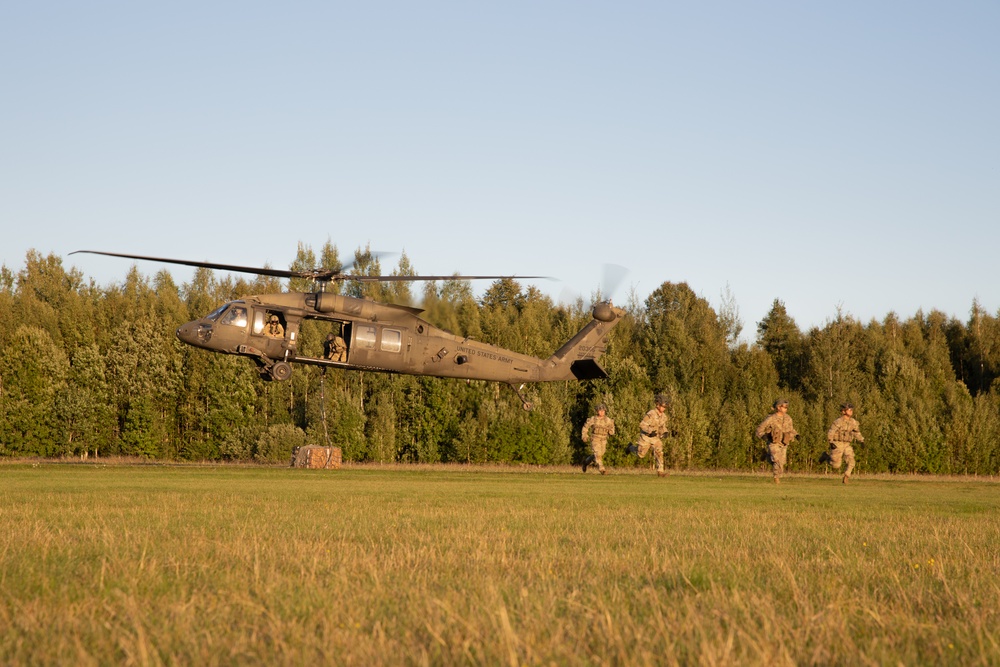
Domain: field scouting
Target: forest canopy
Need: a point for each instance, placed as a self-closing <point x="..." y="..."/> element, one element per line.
<point x="97" y="369"/>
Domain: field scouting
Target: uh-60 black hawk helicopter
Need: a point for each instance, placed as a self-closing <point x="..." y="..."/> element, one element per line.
<point x="373" y="336"/>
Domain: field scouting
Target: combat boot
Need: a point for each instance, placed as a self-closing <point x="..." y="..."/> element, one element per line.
<point x="845" y="479"/>
<point x="632" y="449"/>
<point x="586" y="462"/>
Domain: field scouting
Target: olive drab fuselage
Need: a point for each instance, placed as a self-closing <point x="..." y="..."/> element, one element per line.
<point x="380" y="337"/>
<point x="387" y="338"/>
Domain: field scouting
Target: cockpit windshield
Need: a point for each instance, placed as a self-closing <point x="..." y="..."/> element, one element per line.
<point x="214" y="315"/>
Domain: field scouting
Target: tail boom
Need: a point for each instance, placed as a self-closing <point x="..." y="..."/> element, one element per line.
<point x="577" y="359"/>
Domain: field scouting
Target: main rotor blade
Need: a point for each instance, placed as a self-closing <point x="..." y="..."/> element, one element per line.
<point x="277" y="273"/>
<point x="323" y="275"/>
<point x="392" y="279"/>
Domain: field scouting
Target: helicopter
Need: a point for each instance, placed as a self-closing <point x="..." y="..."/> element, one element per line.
<point x="375" y="336"/>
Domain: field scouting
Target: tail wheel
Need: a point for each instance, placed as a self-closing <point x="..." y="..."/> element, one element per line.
<point x="281" y="371"/>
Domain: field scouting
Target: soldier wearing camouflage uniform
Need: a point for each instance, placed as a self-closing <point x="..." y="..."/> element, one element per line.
<point x="844" y="431"/>
<point x="596" y="431"/>
<point x="335" y="349"/>
<point x="778" y="431"/>
<point x="652" y="428"/>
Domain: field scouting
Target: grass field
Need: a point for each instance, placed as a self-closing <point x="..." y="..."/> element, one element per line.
<point x="147" y="565"/>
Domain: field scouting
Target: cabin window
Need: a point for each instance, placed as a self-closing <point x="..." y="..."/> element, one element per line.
<point x="235" y="317"/>
<point x="365" y="337"/>
<point x="392" y="340"/>
<point x="258" y="322"/>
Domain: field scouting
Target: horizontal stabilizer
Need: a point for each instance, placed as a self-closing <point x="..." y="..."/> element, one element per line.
<point x="587" y="369"/>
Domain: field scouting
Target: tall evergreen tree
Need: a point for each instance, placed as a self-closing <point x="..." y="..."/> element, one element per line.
<point x="683" y="343"/>
<point x="780" y="337"/>
<point x="975" y="349"/>
<point x="84" y="406"/>
<point x="401" y="291"/>
<point x="329" y="258"/>
<point x="305" y="260"/>
<point x="33" y="373"/>
<point x="832" y="371"/>
<point x="366" y="263"/>
<point x="144" y="383"/>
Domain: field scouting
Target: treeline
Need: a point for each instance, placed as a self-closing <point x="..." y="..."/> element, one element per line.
<point x="97" y="369"/>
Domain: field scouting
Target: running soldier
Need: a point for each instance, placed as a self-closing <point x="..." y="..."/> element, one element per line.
<point x="778" y="431"/>
<point x="844" y="431"/>
<point x="596" y="431"/>
<point x="652" y="428"/>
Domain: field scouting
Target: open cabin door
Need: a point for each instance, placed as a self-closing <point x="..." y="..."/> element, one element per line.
<point x="272" y="341"/>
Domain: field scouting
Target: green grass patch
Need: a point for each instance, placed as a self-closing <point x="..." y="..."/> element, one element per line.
<point x="441" y="565"/>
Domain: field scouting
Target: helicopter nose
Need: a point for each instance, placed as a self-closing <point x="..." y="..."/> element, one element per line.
<point x="188" y="333"/>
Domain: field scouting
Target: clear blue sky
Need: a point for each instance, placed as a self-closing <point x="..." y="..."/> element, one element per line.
<point x="831" y="155"/>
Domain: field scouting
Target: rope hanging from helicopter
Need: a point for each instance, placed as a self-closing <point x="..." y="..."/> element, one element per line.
<point x="322" y="410"/>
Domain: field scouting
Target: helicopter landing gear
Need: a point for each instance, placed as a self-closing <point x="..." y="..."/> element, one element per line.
<point x="281" y="371"/>
<point x="525" y="403"/>
<point x="268" y="370"/>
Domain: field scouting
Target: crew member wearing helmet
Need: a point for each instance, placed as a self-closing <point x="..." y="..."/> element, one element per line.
<point x="778" y="431"/>
<point x="844" y="431"/>
<point x="274" y="328"/>
<point x="335" y="347"/>
<point x="652" y="428"/>
<point x="596" y="431"/>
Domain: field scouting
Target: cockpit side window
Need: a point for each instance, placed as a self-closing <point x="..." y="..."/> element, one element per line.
<point x="236" y="316"/>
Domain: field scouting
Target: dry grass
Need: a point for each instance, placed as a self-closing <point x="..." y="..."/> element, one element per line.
<point x="224" y="565"/>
